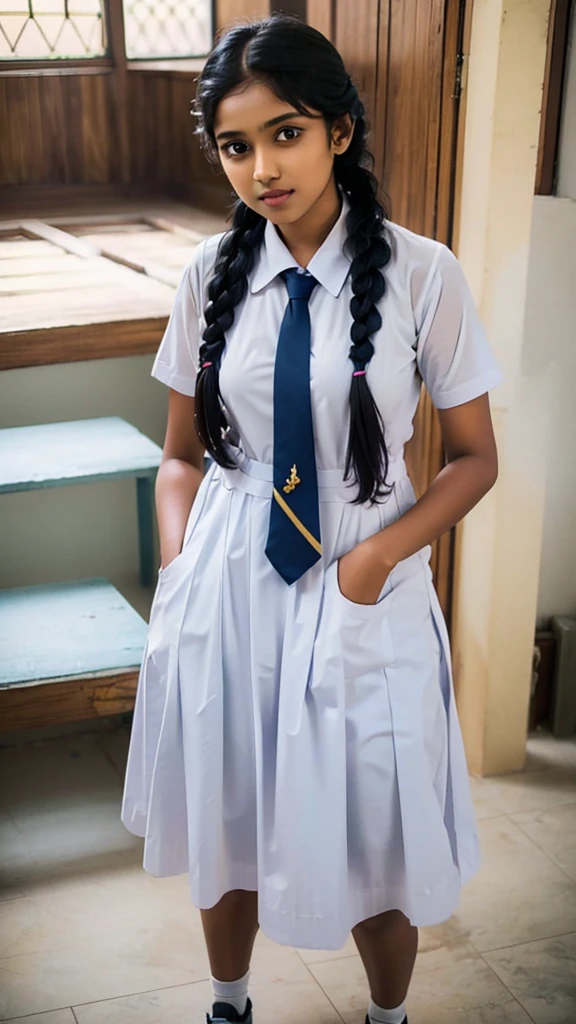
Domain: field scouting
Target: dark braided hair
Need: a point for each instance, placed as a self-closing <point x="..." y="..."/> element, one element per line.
<point x="226" y="289"/>
<point x="303" y="68"/>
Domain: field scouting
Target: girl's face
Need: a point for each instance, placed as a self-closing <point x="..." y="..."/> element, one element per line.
<point x="266" y="146"/>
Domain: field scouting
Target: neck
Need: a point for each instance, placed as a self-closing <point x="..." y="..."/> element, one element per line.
<point x="305" y="236"/>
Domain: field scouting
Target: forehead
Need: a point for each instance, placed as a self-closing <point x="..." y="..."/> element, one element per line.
<point x="248" y="107"/>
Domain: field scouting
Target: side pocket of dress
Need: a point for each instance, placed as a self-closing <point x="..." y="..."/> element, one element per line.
<point x="364" y="630"/>
<point x="195" y="512"/>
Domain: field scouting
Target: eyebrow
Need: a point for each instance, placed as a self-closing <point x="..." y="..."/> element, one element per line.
<point x="267" y="124"/>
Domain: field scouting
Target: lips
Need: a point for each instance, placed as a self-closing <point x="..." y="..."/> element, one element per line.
<point x="276" y="197"/>
<point x="275" y="193"/>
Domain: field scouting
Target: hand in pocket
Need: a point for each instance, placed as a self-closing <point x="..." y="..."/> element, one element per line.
<point x="362" y="574"/>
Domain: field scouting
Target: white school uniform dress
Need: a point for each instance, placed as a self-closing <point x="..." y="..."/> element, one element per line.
<point x="286" y="739"/>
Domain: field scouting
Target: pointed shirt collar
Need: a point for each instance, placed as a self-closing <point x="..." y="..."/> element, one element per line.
<point x="329" y="265"/>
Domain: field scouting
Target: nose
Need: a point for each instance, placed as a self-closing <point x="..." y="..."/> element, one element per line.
<point x="265" y="166"/>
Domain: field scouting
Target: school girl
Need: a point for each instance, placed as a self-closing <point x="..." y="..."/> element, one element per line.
<point x="295" y="744"/>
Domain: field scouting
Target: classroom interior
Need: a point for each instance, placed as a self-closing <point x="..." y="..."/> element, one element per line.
<point x="104" y="193"/>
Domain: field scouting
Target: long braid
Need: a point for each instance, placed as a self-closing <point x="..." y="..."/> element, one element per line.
<point x="367" y="454"/>
<point x="226" y="289"/>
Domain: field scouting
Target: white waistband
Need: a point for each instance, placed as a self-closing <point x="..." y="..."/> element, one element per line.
<point x="257" y="478"/>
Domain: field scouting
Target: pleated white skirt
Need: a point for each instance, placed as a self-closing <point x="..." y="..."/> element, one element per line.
<point x="289" y="741"/>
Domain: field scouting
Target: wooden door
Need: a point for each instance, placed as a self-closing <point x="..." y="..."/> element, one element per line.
<point x="406" y="59"/>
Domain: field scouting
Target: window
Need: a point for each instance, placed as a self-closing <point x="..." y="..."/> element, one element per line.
<point x="167" y="28"/>
<point x="59" y="29"/>
<point x="44" y="29"/>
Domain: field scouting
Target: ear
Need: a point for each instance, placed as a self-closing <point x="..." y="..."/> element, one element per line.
<point x="341" y="134"/>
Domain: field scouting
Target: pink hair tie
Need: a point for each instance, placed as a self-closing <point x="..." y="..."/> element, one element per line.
<point x="359" y="373"/>
<point x="204" y="365"/>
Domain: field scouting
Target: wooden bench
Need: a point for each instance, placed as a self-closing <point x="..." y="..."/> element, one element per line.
<point x="68" y="651"/>
<point x="83" y="451"/>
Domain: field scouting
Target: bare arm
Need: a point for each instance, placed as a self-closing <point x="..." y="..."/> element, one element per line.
<point x="179" y="475"/>
<point x="471" y="471"/>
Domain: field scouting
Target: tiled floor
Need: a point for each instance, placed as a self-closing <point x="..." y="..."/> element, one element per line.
<point x="86" y="936"/>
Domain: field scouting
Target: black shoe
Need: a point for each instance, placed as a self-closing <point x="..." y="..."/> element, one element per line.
<point x="225" y="1013"/>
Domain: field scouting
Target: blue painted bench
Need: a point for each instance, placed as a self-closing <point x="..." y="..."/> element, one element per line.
<point x="81" y="451"/>
<point x="68" y="651"/>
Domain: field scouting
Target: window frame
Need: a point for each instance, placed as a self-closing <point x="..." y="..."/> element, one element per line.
<point x="553" y="96"/>
<point x="62" y="65"/>
<point x="114" y="59"/>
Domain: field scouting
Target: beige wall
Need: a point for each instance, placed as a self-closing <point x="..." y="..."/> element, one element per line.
<point x="550" y="355"/>
<point x="499" y="542"/>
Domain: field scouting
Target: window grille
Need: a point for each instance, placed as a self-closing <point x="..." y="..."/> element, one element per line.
<point x="167" y="28"/>
<point x="44" y="29"/>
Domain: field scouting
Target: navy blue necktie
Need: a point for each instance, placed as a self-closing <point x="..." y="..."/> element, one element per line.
<point x="294" y="533"/>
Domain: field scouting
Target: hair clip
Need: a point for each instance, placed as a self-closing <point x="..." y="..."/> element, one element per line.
<point x="359" y="373"/>
<point x="204" y="365"/>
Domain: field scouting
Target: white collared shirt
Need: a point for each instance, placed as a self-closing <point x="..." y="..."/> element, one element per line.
<point x="430" y="331"/>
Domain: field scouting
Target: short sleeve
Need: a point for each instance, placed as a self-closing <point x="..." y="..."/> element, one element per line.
<point x="453" y="354"/>
<point x="176" y="362"/>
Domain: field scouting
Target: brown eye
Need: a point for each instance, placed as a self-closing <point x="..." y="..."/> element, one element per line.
<point x="295" y="132"/>
<point x="228" y="148"/>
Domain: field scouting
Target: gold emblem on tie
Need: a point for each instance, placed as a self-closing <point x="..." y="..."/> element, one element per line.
<point x="292" y="481"/>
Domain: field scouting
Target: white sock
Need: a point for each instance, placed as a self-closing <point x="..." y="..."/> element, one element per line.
<point x="378" y="1015"/>
<point x="233" y="992"/>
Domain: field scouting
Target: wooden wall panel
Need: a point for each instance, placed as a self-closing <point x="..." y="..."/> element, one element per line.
<point x="394" y="50"/>
<point x="414" y="86"/>
<point x="299" y="8"/>
<point x="65" y="130"/>
<point x="58" y="130"/>
<point x="230" y="11"/>
<point x="356" y="38"/>
<point x="164" y="149"/>
<point x="457" y="31"/>
<point x="556" y="64"/>
<point x="98" y="153"/>
<point x="321" y="14"/>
